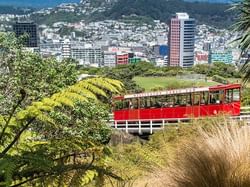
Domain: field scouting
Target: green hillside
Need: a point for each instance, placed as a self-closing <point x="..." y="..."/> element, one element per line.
<point x="208" y="13"/>
<point x="149" y="83"/>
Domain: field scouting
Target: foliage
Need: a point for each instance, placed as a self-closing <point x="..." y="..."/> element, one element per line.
<point x="207" y="13"/>
<point x="163" y="83"/>
<point x="51" y="132"/>
<point x="57" y="16"/>
<point x="146" y="10"/>
<point x="219" y="79"/>
<point x="246" y="97"/>
<point x="217" y="68"/>
<point x="28" y="71"/>
<point x="242" y="26"/>
<point x="137" y="20"/>
<point x="58" y="140"/>
<point x="219" y="157"/>
<point x="139" y="163"/>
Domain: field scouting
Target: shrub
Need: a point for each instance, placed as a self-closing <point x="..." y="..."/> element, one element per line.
<point x="219" y="79"/>
<point x="218" y="158"/>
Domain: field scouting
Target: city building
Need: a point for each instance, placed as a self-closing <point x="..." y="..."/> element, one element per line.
<point x="29" y="29"/>
<point x="87" y="55"/>
<point x="181" y="40"/>
<point x="221" y="56"/>
<point x="121" y="58"/>
<point x="109" y="59"/>
<point x="66" y="49"/>
<point x="207" y="46"/>
<point x="201" y="57"/>
<point x="134" y="60"/>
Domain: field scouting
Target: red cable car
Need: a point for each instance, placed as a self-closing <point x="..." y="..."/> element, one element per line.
<point x="179" y="103"/>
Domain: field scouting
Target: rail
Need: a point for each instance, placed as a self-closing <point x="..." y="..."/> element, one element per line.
<point x="144" y="125"/>
<point x="151" y="125"/>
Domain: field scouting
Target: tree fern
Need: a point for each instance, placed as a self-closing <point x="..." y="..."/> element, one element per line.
<point x="62" y="145"/>
<point x="242" y="26"/>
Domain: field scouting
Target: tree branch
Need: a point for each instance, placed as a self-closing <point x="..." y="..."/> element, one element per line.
<point x="16" y="137"/>
<point x="57" y="170"/>
<point x="11" y="115"/>
<point x="69" y="168"/>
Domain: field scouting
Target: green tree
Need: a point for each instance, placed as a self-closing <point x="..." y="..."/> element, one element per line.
<point x="39" y="77"/>
<point x="50" y="131"/>
<point x="46" y="144"/>
<point x="242" y="26"/>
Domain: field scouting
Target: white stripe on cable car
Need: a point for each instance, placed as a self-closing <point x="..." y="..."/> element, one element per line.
<point x="169" y="92"/>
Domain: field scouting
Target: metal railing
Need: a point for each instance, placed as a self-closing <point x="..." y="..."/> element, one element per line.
<point x="144" y="125"/>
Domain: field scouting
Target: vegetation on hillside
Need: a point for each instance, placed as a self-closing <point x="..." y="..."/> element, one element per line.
<point x="154" y="163"/>
<point x="163" y="83"/>
<point x="128" y="73"/>
<point x="219" y="157"/>
<point x="242" y="26"/>
<point x="52" y="129"/>
<point x="207" y="13"/>
<point x="14" y="10"/>
<point x="146" y="10"/>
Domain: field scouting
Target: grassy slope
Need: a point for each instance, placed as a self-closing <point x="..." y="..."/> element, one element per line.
<point x="169" y="82"/>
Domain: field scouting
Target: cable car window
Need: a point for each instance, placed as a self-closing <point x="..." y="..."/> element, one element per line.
<point x="134" y="103"/>
<point x="204" y="98"/>
<point x="170" y="101"/>
<point x="216" y="97"/>
<point x="148" y="102"/>
<point x="229" y="96"/>
<point x="159" y="101"/>
<point x="152" y="102"/>
<point x="143" y="102"/>
<point x="126" y="104"/>
<point x="196" y="99"/>
<point x="236" y="94"/>
<point x="183" y="100"/>
<point x="189" y="99"/>
<point x="177" y="100"/>
<point x="118" y="105"/>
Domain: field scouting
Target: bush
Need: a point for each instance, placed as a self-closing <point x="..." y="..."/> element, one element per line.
<point x="217" y="158"/>
<point x="219" y="79"/>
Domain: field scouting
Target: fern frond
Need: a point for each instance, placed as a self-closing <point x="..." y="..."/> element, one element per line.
<point x="101" y="83"/>
<point x="82" y="91"/>
<point x="63" y="100"/>
<point x="117" y="84"/>
<point x="51" y="102"/>
<point x="45" y="118"/>
<point x="94" y="89"/>
<point x="7" y="168"/>
<point x="74" y="96"/>
<point x="88" y="177"/>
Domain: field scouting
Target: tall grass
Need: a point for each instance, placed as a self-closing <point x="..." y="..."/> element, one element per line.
<point x="218" y="158"/>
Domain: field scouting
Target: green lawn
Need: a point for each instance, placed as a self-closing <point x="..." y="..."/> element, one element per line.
<point x="169" y="82"/>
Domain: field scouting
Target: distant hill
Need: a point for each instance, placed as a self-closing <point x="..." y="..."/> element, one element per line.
<point x="52" y="3"/>
<point x="14" y="10"/>
<point x="211" y="1"/>
<point x="208" y="13"/>
<point x="97" y="10"/>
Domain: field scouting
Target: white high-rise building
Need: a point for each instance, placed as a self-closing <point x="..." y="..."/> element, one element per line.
<point x="87" y="55"/>
<point x="109" y="59"/>
<point x="66" y="49"/>
<point x="181" y="40"/>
